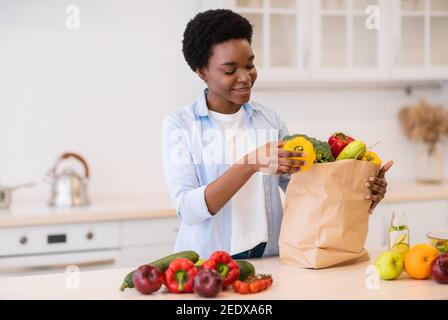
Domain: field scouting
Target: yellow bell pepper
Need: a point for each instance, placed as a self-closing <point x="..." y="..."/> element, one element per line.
<point x="301" y="144"/>
<point x="371" y="156"/>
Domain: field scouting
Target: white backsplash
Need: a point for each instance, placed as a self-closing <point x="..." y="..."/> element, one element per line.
<point x="370" y="115"/>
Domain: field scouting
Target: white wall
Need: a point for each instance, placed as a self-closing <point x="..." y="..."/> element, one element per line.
<point x="103" y="91"/>
<point x="367" y="114"/>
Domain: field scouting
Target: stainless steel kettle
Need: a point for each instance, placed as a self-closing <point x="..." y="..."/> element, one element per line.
<point x="69" y="189"/>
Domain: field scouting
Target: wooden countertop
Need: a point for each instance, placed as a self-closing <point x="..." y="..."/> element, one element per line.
<point x="411" y="191"/>
<point x="101" y="209"/>
<point x="344" y="282"/>
<point x="136" y="207"/>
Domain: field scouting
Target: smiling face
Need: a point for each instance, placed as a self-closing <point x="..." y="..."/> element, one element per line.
<point x="230" y="75"/>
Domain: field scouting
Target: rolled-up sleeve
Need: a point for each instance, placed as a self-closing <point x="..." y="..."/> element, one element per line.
<point x="181" y="173"/>
<point x="283" y="178"/>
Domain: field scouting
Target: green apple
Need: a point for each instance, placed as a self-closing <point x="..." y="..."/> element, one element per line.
<point x="389" y="265"/>
<point x="401" y="248"/>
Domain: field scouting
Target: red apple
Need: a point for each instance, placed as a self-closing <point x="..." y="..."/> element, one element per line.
<point x="440" y="269"/>
<point x="147" y="279"/>
<point x="207" y="283"/>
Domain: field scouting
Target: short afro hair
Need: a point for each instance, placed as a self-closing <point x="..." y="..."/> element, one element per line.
<point x="209" y="28"/>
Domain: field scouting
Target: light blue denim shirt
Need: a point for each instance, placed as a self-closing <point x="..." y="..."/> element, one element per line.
<point x="191" y="148"/>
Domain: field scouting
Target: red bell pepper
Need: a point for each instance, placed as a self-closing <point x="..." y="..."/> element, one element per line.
<point x="338" y="141"/>
<point x="226" y="267"/>
<point x="179" y="277"/>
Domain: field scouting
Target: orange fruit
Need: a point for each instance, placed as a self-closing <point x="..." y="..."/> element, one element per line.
<point x="419" y="259"/>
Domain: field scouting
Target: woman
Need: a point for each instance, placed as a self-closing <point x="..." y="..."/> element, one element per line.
<point x="223" y="156"/>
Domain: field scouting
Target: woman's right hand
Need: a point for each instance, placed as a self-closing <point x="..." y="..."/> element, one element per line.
<point x="273" y="159"/>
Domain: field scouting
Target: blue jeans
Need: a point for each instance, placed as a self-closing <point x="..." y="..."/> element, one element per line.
<point x="256" y="252"/>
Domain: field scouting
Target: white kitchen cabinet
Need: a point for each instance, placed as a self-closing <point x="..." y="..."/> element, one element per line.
<point x="52" y="248"/>
<point x="89" y="246"/>
<point x="353" y="41"/>
<point x="421" y="217"/>
<point x="349" y="40"/>
<point x="148" y="232"/>
<point x="129" y="243"/>
<point x="420" y="37"/>
<point x="133" y="257"/>
<point x="280" y="37"/>
<point x="58" y="238"/>
<point x="376" y="236"/>
<point x="61" y="262"/>
<point x="147" y="240"/>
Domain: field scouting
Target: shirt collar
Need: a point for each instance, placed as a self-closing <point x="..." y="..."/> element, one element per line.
<point x="201" y="109"/>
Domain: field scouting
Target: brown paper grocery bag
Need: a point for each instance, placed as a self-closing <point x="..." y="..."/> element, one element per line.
<point x="326" y="216"/>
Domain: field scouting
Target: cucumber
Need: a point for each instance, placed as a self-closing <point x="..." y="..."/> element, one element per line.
<point x="162" y="264"/>
<point x="246" y="269"/>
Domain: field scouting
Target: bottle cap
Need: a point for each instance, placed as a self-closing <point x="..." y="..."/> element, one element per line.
<point x="398" y="219"/>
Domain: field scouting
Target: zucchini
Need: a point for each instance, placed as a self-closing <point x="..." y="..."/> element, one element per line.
<point x="162" y="264"/>
<point x="247" y="269"/>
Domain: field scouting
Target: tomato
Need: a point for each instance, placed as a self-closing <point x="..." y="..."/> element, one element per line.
<point x="265" y="284"/>
<point x="236" y="285"/>
<point x="262" y="284"/>
<point x="253" y="284"/>
<point x="244" y="288"/>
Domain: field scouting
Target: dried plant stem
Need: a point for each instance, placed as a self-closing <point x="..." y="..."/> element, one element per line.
<point x="424" y="122"/>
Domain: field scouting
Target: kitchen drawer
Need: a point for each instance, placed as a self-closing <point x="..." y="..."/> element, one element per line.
<point x="376" y="238"/>
<point x="58" y="263"/>
<point x="137" y="256"/>
<point x="150" y="231"/>
<point x="58" y="238"/>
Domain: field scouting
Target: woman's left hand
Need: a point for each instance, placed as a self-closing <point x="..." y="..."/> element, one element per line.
<point x="378" y="186"/>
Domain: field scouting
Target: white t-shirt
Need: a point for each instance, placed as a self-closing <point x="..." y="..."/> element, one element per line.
<point x="249" y="219"/>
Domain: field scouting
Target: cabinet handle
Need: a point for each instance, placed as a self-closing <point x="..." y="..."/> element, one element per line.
<point x="89" y="235"/>
<point x="23" y="240"/>
<point x="19" y="271"/>
<point x="306" y="59"/>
